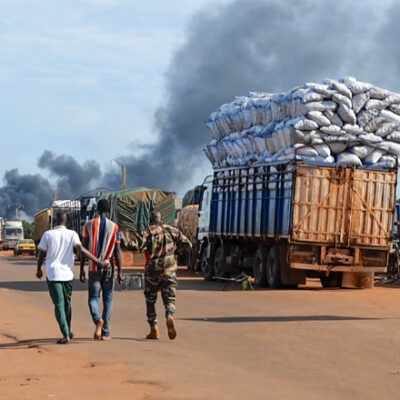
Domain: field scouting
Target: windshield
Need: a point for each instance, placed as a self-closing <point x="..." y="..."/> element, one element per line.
<point x="13" y="231"/>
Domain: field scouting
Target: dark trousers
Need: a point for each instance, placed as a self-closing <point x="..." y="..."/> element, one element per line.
<point x="60" y="293"/>
<point x="167" y="284"/>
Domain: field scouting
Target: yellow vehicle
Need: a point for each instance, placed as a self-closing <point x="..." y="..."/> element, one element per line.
<point x="25" y="246"/>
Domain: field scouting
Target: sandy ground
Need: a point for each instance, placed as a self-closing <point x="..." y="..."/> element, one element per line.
<point x="309" y="343"/>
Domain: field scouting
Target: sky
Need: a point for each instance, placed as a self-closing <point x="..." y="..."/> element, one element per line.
<point x="84" y="82"/>
<point x="83" y="77"/>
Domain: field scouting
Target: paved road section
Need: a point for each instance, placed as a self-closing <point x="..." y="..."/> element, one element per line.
<point x="309" y="343"/>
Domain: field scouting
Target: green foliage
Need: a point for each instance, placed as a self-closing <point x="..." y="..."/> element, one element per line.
<point x="29" y="229"/>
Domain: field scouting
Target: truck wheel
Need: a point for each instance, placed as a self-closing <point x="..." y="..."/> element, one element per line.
<point x="260" y="267"/>
<point x="206" y="267"/>
<point x="191" y="261"/>
<point x="273" y="268"/>
<point x="334" y="279"/>
<point x="218" y="261"/>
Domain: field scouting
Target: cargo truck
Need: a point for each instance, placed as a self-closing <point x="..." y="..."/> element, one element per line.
<point x="44" y="219"/>
<point x="12" y="232"/>
<point x="288" y="221"/>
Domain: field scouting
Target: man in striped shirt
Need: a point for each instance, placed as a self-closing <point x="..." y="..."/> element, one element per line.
<point x="101" y="236"/>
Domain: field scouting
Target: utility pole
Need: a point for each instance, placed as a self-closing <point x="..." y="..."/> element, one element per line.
<point x="123" y="162"/>
<point x="123" y="170"/>
<point x="17" y="207"/>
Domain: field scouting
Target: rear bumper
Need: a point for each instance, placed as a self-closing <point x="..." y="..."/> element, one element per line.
<point x="336" y="268"/>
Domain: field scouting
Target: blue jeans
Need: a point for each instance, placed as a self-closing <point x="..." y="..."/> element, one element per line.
<point x="107" y="289"/>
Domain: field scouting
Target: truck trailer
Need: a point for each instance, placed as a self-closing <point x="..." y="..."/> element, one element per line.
<point x="288" y="221"/>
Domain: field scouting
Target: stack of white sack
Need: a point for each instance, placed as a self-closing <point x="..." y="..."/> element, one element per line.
<point x="345" y="122"/>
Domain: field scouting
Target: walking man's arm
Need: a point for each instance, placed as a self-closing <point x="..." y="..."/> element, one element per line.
<point x="82" y="277"/>
<point x="39" y="272"/>
<point x="118" y="262"/>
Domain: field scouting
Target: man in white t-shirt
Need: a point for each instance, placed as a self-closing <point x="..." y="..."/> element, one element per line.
<point x="58" y="245"/>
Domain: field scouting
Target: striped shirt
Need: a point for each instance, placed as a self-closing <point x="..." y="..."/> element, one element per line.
<point x="103" y="235"/>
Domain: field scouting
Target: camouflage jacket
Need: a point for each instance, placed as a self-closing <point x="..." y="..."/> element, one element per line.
<point x="161" y="243"/>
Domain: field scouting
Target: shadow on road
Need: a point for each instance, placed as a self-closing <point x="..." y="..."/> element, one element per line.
<point x="41" y="286"/>
<point x="37" y="286"/>
<point x="35" y="343"/>
<point x="289" y="318"/>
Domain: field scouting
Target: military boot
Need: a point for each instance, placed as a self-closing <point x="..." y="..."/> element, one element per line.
<point x="154" y="332"/>
<point x="171" y="327"/>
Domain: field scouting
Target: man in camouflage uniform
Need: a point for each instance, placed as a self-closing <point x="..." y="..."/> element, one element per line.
<point x="161" y="242"/>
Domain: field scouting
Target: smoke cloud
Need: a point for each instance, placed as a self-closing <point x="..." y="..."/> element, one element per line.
<point x="256" y="45"/>
<point x="72" y="178"/>
<point x="32" y="192"/>
<point x="260" y="46"/>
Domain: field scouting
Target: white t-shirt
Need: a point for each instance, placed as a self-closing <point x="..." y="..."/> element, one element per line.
<point x="59" y="243"/>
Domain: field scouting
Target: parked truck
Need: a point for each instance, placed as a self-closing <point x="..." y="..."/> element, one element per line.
<point x="44" y="219"/>
<point x="12" y="232"/>
<point x="288" y="221"/>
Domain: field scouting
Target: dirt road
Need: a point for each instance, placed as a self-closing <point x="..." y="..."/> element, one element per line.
<point x="308" y="343"/>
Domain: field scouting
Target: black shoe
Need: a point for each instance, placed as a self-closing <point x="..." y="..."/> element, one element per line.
<point x="71" y="336"/>
<point x="64" y="340"/>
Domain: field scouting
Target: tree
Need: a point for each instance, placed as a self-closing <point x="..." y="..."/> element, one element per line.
<point x="29" y="229"/>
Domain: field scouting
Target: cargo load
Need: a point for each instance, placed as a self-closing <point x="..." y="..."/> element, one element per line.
<point x="131" y="208"/>
<point x="344" y="122"/>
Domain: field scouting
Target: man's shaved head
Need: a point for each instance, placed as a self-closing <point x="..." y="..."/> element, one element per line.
<point x="155" y="218"/>
<point x="61" y="218"/>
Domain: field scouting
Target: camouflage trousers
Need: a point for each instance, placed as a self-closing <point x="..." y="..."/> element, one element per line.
<point x="166" y="283"/>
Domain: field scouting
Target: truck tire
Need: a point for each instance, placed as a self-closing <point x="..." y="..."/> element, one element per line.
<point x="273" y="268"/>
<point x="219" y="259"/>
<point x="260" y="267"/>
<point x="206" y="266"/>
<point x="191" y="260"/>
<point x="334" y="279"/>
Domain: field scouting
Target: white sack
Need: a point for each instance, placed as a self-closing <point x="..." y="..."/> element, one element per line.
<point x="320" y="106"/>
<point x="390" y="116"/>
<point x="323" y="150"/>
<point x="359" y="101"/>
<point x="394" y="136"/>
<point x="348" y="159"/>
<point x="361" y="151"/>
<point x="395" y="108"/>
<point x="370" y="138"/>
<point x="337" y="147"/>
<point x="374" y="124"/>
<point x="305" y="124"/>
<point x="341" y="99"/>
<point x="347" y="114"/>
<point x="353" y="129"/>
<point x="307" y="151"/>
<point x="331" y="130"/>
<point x="375" y="104"/>
<point x="333" y="117"/>
<point x="357" y="87"/>
<point x="387" y="161"/>
<point x="319" y="118"/>
<point x="374" y="157"/>
<point x="378" y="93"/>
<point x="386" y="128"/>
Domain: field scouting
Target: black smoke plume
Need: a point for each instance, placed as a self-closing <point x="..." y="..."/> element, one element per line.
<point x="267" y="45"/>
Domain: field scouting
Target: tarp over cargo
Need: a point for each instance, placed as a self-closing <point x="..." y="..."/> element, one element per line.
<point x="131" y="208"/>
